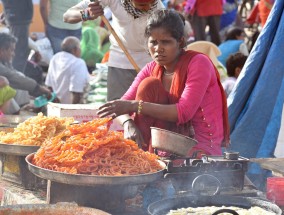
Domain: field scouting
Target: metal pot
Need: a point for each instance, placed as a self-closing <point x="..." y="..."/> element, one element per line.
<point x="45" y="209"/>
<point x="171" y="142"/>
<point x="162" y="207"/>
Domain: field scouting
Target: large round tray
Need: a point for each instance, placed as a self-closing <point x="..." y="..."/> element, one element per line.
<point x="15" y="149"/>
<point x="91" y="180"/>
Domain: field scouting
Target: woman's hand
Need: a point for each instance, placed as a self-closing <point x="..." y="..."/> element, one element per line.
<point x="132" y="132"/>
<point x="116" y="108"/>
<point x="95" y="10"/>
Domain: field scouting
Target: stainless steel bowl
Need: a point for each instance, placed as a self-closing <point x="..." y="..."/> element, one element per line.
<point x="171" y="142"/>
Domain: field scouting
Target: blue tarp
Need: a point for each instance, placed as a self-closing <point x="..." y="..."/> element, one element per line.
<point x="255" y="104"/>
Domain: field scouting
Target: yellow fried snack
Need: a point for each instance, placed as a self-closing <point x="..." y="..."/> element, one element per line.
<point x="35" y="130"/>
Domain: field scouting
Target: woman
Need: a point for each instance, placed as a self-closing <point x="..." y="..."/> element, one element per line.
<point x="177" y="91"/>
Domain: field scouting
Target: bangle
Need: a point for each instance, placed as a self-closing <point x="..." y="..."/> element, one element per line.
<point x="139" y="107"/>
<point x="85" y="14"/>
<point x="126" y="121"/>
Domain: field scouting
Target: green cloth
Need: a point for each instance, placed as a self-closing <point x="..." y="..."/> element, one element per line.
<point x="6" y="93"/>
<point x="90" y="46"/>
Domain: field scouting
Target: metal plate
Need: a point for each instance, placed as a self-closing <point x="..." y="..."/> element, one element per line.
<point x="91" y="180"/>
<point x="16" y="149"/>
<point x="12" y="120"/>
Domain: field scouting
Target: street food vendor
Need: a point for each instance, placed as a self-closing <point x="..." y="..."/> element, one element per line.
<point x="178" y="91"/>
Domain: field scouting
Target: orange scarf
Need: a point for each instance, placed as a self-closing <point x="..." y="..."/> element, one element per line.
<point x="178" y="85"/>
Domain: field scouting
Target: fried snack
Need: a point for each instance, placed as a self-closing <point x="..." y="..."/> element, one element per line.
<point x="35" y="130"/>
<point x="91" y="148"/>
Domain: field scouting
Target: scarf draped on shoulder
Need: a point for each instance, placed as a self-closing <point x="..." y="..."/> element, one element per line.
<point x="178" y="85"/>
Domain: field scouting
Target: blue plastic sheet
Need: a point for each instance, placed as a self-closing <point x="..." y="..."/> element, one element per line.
<point x="255" y="104"/>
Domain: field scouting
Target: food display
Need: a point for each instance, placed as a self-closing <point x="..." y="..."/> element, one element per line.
<point x="212" y="209"/>
<point x="91" y="148"/>
<point x="35" y="130"/>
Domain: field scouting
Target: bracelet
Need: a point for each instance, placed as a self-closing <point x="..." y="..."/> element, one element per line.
<point x="139" y="106"/>
<point x="85" y="14"/>
<point x="126" y="121"/>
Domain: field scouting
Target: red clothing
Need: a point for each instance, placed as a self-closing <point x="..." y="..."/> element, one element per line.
<point x="209" y="7"/>
<point x="200" y="102"/>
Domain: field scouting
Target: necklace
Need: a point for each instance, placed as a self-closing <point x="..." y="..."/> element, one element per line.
<point x="167" y="73"/>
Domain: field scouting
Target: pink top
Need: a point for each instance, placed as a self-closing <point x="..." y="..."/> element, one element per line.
<point x="200" y="102"/>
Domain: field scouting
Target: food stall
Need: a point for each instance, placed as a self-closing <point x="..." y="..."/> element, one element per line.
<point x="212" y="180"/>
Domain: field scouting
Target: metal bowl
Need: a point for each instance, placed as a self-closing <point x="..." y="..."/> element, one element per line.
<point x="171" y="142"/>
<point x="17" y="149"/>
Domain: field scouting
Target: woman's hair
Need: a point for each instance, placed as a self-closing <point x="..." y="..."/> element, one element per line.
<point x="234" y="61"/>
<point x="169" y="20"/>
<point x="233" y="32"/>
<point x="6" y="40"/>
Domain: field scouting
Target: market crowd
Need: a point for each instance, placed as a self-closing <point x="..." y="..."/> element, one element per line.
<point x="180" y="70"/>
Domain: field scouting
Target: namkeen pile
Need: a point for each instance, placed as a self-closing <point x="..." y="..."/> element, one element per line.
<point x="91" y="148"/>
<point x="208" y="210"/>
<point x="35" y="130"/>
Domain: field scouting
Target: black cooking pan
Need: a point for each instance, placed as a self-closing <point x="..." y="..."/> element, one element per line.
<point x="163" y="207"/>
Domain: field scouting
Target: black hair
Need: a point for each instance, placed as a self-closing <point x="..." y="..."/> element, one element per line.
<point x="235" y="60"/>
<point x="233" y="32"/>
<point x="169" y="20"/>
<point x="6" y="40"/>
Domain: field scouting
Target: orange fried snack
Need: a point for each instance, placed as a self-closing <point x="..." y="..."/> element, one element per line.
<point x="91" y="148"/>
<point x="35" y="130"/>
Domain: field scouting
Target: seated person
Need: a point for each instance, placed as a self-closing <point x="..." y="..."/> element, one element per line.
<point x="234" y="42"/>
<point x="17" y="80"/>
<point x="6" y="95"/>
<point x="179" y="91"/>
<point x="67" y="74"/>
<point x="234" y="66"/>
<point x="90" y="45"/>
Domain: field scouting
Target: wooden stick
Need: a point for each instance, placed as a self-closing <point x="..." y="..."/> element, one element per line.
<point x="121" y="45"/>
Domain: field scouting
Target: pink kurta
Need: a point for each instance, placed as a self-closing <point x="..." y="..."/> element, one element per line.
<point x="200" y="102"/>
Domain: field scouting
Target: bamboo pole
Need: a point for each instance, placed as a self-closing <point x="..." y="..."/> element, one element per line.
<point x="121" y="45"/>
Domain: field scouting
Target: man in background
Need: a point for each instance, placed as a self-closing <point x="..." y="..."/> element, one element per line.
<point x="55" y="28"/>
<point x="67" y="74"/>
<point x="18" y="16"/>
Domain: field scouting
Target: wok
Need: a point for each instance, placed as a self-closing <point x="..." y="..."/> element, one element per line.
<point x="162" y="207"/>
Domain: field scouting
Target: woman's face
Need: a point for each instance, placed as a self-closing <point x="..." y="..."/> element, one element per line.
<point x="144" y="6"/>
<point x="163" y="48"/>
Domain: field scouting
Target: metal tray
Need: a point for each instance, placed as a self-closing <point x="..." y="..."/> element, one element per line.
<point x="91" y="180"/>
<point x="12" y="121"/>
<point x="16" y="149"/>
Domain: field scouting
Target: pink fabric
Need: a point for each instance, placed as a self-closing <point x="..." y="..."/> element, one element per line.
<point x="201" y="102"/>
<point x="209" y="7"/>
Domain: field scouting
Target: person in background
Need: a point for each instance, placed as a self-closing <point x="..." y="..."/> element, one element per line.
<point x="234" y="42"/>
<point x="67" y="74"/>
<point x="18" y="17"/>
<point x="264" y="7"/>
<point x="203" y="13"/>
<point x="234" y="65"/>
<point x="90" y="45"/>
<point x="55" y="28"/>
<point x="128" y="21"/>
<point x="6" y="95"/>
<point x="179" y="91"/>
<point x="17" y="79"/>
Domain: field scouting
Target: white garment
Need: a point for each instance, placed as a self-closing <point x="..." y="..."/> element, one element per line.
<point x="66" y="74"/>
<point x="131" y="33"/>
<point x="228" y="84"/>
